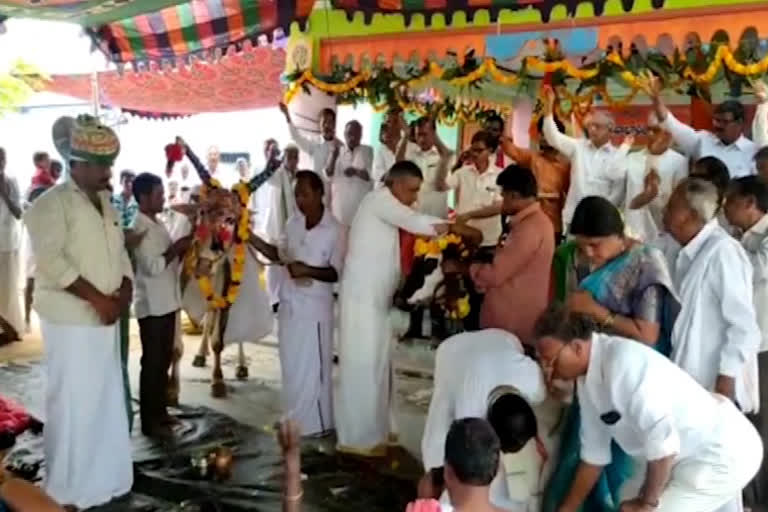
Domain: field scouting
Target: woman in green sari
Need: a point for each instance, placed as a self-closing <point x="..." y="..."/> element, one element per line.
<point x="626" y="288"/>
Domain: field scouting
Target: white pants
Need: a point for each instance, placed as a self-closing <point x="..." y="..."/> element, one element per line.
<point x="86" y="441"/>
<point x="305" y="337"/>
<point x="713" y="479"/>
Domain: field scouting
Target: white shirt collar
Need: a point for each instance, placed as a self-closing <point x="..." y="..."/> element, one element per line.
<point x="692" y="248"/>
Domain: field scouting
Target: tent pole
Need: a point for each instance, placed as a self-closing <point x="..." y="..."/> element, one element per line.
<point x="95" y="93"/>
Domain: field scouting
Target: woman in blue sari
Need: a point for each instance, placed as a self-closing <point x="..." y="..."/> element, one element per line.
<point x="627" y="289"/>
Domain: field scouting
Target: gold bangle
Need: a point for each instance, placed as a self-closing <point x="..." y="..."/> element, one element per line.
<point x="295" y="497"/>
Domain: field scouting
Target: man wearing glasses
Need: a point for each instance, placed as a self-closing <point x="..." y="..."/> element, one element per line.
<point x="692" y="449"/>
<point x="726" y="141"/>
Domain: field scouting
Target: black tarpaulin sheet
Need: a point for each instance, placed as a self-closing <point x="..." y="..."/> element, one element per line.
<point x="166" y="481"/>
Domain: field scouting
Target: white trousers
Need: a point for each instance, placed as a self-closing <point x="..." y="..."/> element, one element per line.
<point x="86" y="441"/>
<point x="305" y="337"/>
<point x="712" y="481"/>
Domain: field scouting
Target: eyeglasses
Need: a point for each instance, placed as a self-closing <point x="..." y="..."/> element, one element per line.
<point x="549" y="366"/>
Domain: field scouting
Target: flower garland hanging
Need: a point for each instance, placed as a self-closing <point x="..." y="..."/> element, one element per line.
<point x="238" y="249"/>
<point x="433" y="248"/>
<point x="680" y="69"/>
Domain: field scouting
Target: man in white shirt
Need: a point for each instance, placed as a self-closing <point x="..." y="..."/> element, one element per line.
<point x="276" y="204"/>
<point x="479" y="198"/>
<point x="747" y="208"/>
<point x="319" y="150"/>
<point x="486" y="374"/>
<point x="349" y="172"/>
<point x="385" y="155"/>
<point x="83" y="282"/>
<point x="652" y="175"/>
<point x="597" y="167"/>
<point x="433" y="159"/>
<point x="699" y="449"/>
<point x="494" y="126"/>
<point x="726" y="141"/>
<point x="368" y="285"/>
<point x="11" y="320"/>
<point x="716" y="336"/>
<point x="157" y="300"/>
<point x="310" y="248"/>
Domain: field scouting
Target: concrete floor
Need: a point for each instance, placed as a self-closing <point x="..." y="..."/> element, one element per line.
<point x="256" y="402"/>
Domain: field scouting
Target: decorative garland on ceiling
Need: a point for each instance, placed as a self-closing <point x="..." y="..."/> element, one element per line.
<point x="691" y="72"/>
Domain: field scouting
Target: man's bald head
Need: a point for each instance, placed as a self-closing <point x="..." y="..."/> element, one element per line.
<point x="599" y="125"/>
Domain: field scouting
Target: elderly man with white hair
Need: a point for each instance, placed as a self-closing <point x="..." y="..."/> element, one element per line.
<point x="652" y="175"/>
<point x="716" y="336"/>
<point x="596" y="164"/>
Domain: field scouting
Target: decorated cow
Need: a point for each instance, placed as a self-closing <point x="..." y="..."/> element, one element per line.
<point x="221" y="286"/>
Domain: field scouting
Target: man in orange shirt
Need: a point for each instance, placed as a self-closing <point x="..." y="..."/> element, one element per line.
<point x="552" y="172"/>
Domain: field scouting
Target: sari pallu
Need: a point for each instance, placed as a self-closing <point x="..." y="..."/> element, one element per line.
<point x="618" y="285"/>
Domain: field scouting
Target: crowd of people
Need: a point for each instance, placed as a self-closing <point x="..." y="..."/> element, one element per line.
<point x="623" y="289"/>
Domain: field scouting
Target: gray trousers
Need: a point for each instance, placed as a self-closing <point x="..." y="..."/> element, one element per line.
<point x="756" y="494"/>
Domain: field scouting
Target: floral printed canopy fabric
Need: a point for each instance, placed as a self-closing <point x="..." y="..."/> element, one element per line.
<point x="244" y="80"/>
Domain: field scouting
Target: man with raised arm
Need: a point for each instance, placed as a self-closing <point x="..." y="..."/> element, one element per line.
<point x="726" y="141"/>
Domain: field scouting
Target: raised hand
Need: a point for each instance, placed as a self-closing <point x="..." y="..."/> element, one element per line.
<point x="549" y="100"/>
<point x="284" y="109"/>
<point x="650" y="84"/>
<point x="760" y="89"/>
<point x="652" y="182"/>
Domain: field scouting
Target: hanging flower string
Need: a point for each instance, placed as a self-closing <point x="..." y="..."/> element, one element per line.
<point x="679" y="73"/>
<point x="434" y="247"/>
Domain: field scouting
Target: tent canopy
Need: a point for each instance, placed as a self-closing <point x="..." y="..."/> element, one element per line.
<point x="84" y="12"/>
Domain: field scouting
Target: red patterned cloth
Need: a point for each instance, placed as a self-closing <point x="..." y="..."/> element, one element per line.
<point x="249" y="79"/>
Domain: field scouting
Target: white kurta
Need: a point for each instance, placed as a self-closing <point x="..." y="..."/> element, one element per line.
<point x="305" y="325"/>
<point x="371" y="276"/>
<point x="348" y="192"/>
<point x="594" y="171"/>
<point x="645" y="223"/>
<point x="717" y="451"/>
<point x="468" y="368"/>
<point x="716" y="332"/>
<point x="86" y="441"/>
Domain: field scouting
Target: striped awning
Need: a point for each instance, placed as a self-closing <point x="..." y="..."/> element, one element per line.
<point x="447" y="7"/>
<point x="83" y="12"/>
<point x="197" y="27"/>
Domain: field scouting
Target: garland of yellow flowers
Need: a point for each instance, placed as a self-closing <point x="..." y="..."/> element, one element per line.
<point x="434" y="247"/>
<point x="723" y="56"/>
<point x="214" y="300"/>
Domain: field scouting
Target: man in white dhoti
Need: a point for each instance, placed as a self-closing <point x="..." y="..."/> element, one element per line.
<point x="652" y="175"/>
<point x="371" y="276"/>
<point x="486" y="374"/>
<point x="700" y="451"/>
<point x="716" y="335"/>
<point x="318" y="149"/>
<point x="747" y="208"/>
<point x="310" y="247"/>
<point x="276" y="204"/>
<point x="434" y="159"/>
<point x="11" y="321"/>
<point x="84" y="281"/>
<point x="349" y="172"/>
